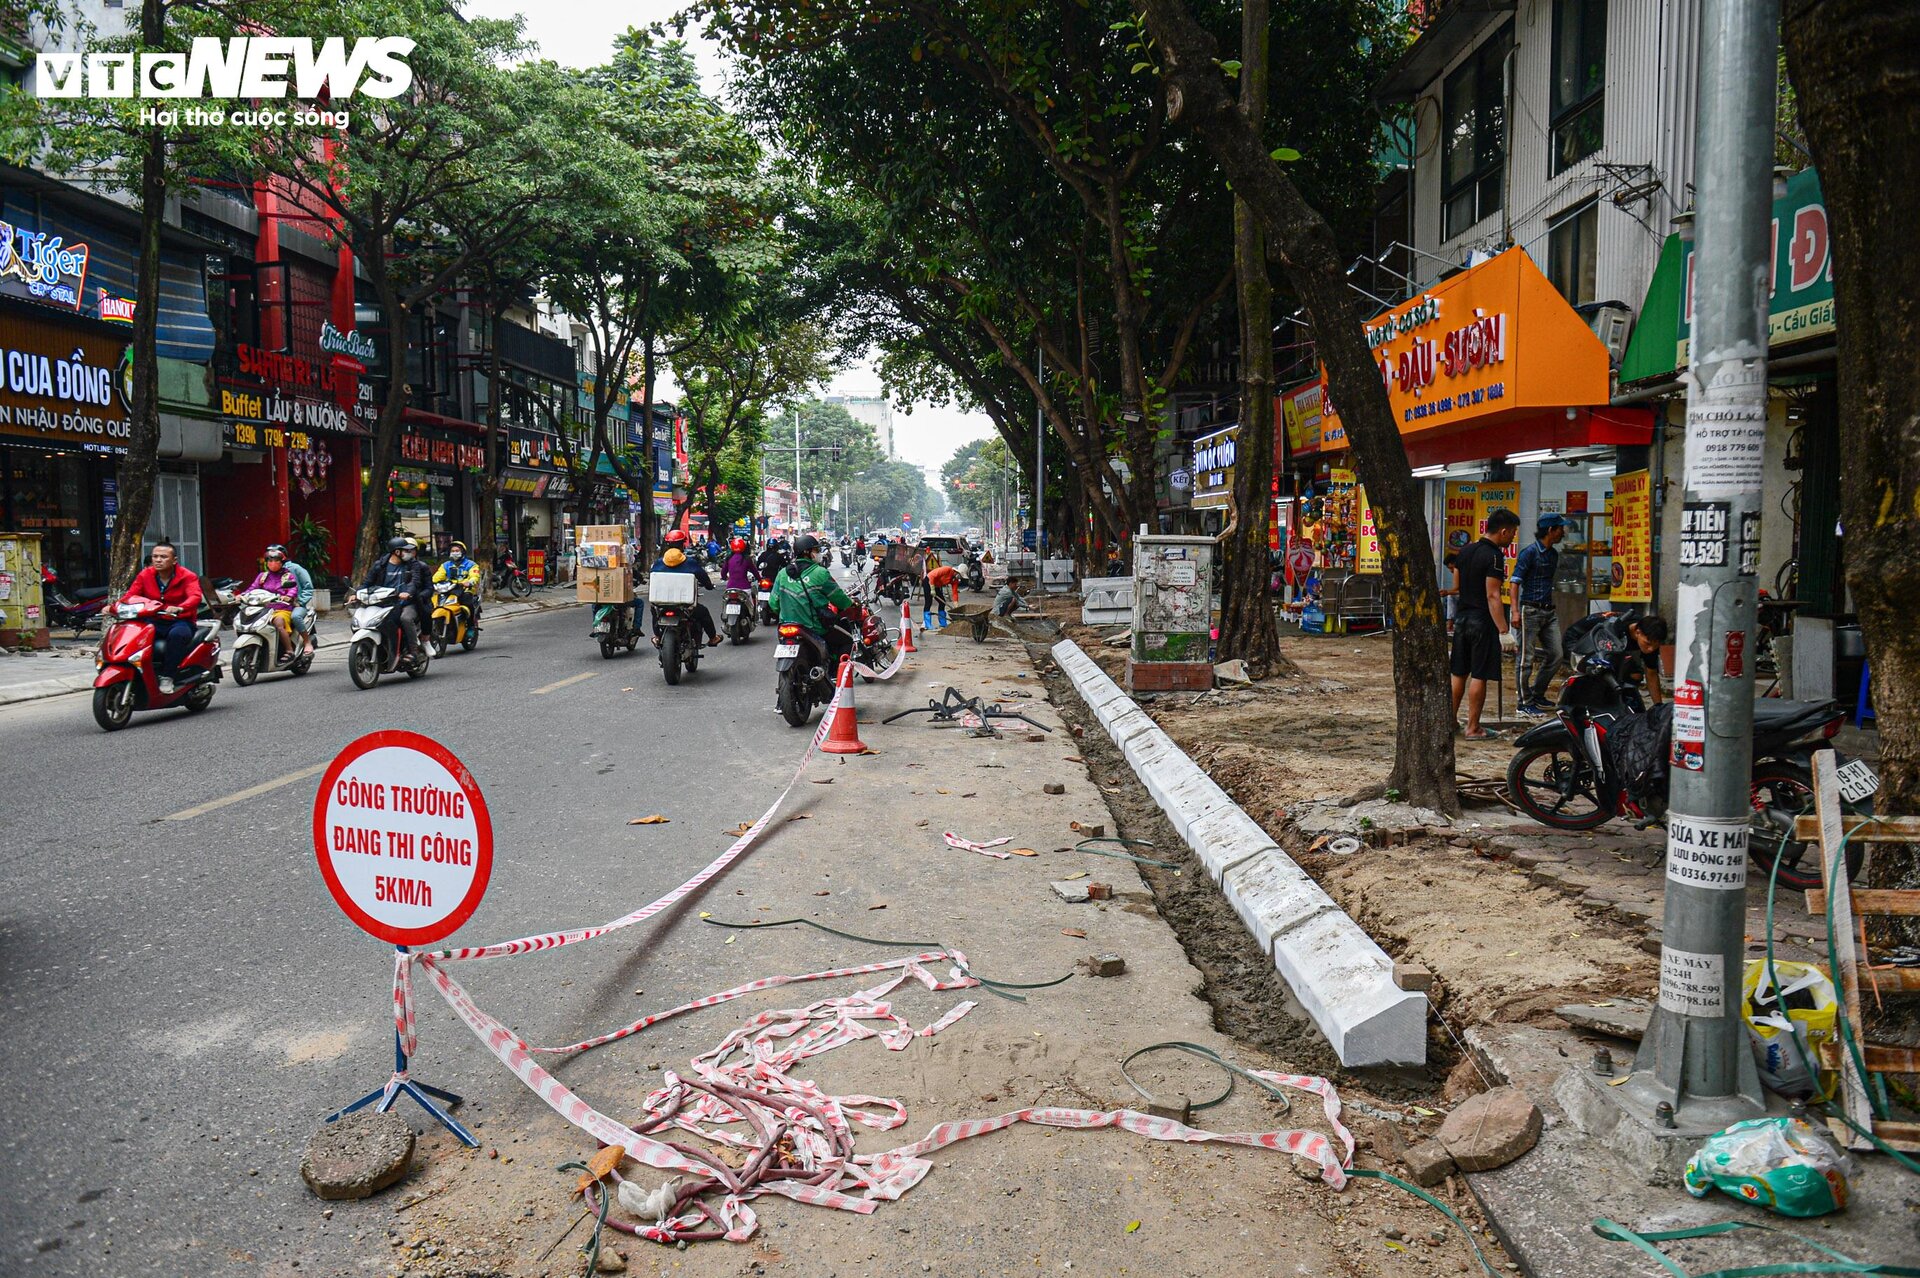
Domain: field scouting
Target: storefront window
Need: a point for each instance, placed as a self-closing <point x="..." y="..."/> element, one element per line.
<point x="1572" y="258"/>
<point x="55" y="495"/>
<point x="1474" y="144"/>
<point x="1579" y="80"/>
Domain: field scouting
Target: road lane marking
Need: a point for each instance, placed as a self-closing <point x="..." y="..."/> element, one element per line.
<point x="563" y="683"/>
<point x="252" y="791"/>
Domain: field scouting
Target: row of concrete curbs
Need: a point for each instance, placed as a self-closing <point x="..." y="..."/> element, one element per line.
<point x="1342" y="977"/>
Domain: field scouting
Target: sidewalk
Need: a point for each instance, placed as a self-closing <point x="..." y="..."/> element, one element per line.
<point x="859" y="848"/>
<point x="67" y="666"/>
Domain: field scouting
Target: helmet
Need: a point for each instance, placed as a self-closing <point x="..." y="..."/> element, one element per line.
<point x="677" y="537"/>
<point x="400" y="543"/>
<point x="276" y="551"/>
<point x="673" y="558"/>
<point x="456" y="549"/>
<point x="806" y="545"/>
<point x="739" y="543"/>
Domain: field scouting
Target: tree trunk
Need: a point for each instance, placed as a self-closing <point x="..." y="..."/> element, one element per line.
<point x="1423" y="767"/>
<point x="386" y="431"/>
<point x="1855" y="66"/>
<point x="140" y="469"/>
<point x="1247" y="627"/>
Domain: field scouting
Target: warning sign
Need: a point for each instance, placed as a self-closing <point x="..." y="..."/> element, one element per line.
<point x="1693" y="984"/>
<point x="403" y="837"/>
<point x="1707" y="852"/>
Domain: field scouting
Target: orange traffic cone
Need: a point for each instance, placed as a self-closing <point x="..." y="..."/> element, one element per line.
<point x="906" y="628"/>
<point x="843" y="734"/>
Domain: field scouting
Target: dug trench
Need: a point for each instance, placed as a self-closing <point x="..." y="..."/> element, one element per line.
<point x="1251" y="1002"/>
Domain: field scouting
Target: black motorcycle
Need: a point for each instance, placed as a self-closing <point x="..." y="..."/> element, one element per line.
<point x="676" y="629"/>
<point x="509" y="578"/>
<point x="738" y="618"/>
<point x="974" y="571"/>
<point x="615" y="629"/>
<point x="1604" y="755"/>
<point x="806" y="667"/>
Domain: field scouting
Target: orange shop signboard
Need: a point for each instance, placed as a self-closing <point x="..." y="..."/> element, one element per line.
<point x="1491" y="361"/>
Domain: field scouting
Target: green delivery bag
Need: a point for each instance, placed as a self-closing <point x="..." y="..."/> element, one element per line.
<point x="1785" y="1164"/>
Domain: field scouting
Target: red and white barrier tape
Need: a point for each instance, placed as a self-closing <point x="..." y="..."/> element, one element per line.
<point x="968" y="845"/>
<point x="803" y="1136"/>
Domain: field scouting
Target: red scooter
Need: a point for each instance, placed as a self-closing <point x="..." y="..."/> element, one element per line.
<point x="127" y="680"/>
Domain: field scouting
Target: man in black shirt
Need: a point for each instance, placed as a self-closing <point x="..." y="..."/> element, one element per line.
<point x="1482" y="627"/>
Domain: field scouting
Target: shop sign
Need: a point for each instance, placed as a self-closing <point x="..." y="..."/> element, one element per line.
<point x="536" y="450"/>
<point x="41" y="265"/>
<point x="440" y="450"/>
<point x="1492" y="497"/>
<point x="523" y="485"/>
<point x="1631" y="508"/>
<point x="280" y="399"/>
<point x="114" y="310"/>
<point x="1462" y="514"/>
<point x="251" y="437"/>
<point x="353" y="344"/>
<point x="1367" y="556"/>
<point x="1800" y="294"/>
<point x="1213" y="460"/>
<point x="62" y="386"/>
<point x="1309" y="427"/>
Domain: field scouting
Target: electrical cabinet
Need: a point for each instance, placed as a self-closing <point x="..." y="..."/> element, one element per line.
<point x="1173" y="598"/>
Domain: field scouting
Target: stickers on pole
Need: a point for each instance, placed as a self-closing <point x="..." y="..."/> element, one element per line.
<point x="1707" y="852"/>
<point x="1689" y="725"/>
<point x="1727" y="433"/>
<point x="1693" y="984"/>
<point x="403" y="837"/>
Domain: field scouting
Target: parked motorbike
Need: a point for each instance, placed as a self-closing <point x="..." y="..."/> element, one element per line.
<point x="258" y="650"/>
<point x="126" y="680"/>
<point x="876" y="646"/>
<point x="1604" y="756"/>
<point x="378" y="645"/>
<point x="676" y="632"/>
<point x="973" y="571"/>
<point x="452" y="622"/>
<point x="805" y="670"/>
<point x="508" y="578"/>
<point x="764" y="599"/>
<point x="614" y="628"/>
<point x="737" y="621"/>
<point x="82" y="608"/>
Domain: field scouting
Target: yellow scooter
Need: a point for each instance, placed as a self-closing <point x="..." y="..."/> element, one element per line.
<point x="452" y="621"/>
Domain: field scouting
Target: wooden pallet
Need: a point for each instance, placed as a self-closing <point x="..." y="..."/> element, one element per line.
<point x="1831" y="827"/>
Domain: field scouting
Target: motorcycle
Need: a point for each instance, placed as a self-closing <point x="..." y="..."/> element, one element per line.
<point x="452" y="622"/>
<point x="126" y="680"/>
<point x="876" y="646"/>
<point x="676" y="633"/>
<point x="805" y="669"/>
<point x="765" y="604"/>
<point x="378" y="645"/>
<point x="508" y="578"/>
<point x="1572" y="772"/>
<point x="257" y="650"/>
<point x="974" y="573"/>
<point x="614" y="627"/>
<point x="737" y="620"/>
<point x="81" y="608"/>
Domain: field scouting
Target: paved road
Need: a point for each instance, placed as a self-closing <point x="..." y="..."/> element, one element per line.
<point x="182" y="999"/>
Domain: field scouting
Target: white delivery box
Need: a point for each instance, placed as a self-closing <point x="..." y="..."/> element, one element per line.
<point x="671" y="588"/>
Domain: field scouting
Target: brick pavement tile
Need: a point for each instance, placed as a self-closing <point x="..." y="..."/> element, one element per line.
<point x="1527" y="858"/>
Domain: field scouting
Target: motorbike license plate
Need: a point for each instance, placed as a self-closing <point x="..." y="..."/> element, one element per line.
<point x="1857" y="780"/>
<point x="733" y="610"/>
<point x="786" y="650"/>
<point x="766" y="596"/>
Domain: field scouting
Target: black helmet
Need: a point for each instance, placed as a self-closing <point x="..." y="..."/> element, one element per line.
<point x="400" y="543"/>
<point x="805" y="545"/>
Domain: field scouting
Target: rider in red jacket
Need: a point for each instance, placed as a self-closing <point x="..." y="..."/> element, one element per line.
<point x="177" y="591"/>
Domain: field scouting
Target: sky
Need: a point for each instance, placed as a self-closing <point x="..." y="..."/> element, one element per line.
<point x="578" y="33"/>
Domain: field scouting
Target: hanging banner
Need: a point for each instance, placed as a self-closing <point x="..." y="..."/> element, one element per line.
<point x="1632" y="510"/>
<point x="1463" y="514"/>
<point x="1367" y="558"/>
<point x="1490" y="498"/>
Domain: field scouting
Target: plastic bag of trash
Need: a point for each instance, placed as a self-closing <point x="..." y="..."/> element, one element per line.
<point x="1786" y="1164"/>
<point x="1804" y="1007"/>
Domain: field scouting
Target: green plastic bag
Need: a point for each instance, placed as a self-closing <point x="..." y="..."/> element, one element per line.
<point x="1785" y="1164"/>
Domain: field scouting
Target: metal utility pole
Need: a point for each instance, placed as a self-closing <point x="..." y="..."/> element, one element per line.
<point x="1039" y="458"/>
<point x="1695" y="1056"/>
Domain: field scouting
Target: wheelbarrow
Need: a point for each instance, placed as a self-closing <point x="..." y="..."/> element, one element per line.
<point x="977" y="617"/>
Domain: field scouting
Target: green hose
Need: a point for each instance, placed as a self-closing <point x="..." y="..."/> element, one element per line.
<point x="1081" y="846"/>
<point x="592" y="1248"/>
<point x="992" y="987"/>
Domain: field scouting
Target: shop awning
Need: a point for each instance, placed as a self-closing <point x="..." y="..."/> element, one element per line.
<point x="1799" y="305"/>
<point x="1488" y="362"/>
<point x="421" y="417"/>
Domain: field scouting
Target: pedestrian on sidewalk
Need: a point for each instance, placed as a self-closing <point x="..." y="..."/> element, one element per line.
<point x="1540" y="642"/>
<point x="1482" y="629"/>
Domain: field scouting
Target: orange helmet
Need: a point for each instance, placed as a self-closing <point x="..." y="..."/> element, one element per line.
<point x="738" y="543"/>
<point x="677" y="537"/>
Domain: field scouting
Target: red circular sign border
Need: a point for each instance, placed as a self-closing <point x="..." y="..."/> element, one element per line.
<point x="483" y="822"/>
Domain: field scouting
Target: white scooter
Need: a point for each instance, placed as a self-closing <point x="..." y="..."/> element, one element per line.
<point x="258" y="651"/>
<point x="379" y="645"/>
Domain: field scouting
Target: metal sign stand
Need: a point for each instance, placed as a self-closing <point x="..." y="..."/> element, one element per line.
<point x="424" y="1094"/>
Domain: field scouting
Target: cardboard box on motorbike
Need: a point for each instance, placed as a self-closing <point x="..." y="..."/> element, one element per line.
<point x="604" y="585"/>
